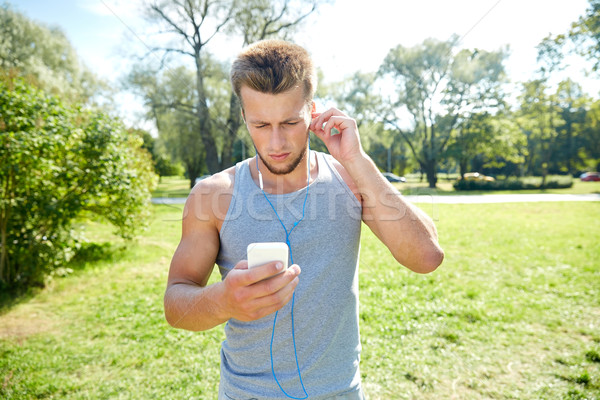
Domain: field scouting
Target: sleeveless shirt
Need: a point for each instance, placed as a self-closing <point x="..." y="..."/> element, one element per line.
<point x="325" y="245"/>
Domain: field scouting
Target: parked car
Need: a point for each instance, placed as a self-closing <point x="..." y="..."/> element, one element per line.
<point x="590" y="177"/>
<point x="476" y="176"/>
<point x="393" y="177"/>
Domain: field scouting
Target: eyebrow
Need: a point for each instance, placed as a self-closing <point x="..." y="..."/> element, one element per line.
<point x="260" y="122"/>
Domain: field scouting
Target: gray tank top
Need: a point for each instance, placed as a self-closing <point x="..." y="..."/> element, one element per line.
<point x="326" y="246"/>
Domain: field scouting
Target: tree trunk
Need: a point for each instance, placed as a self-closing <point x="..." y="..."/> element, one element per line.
<point x="233" y="125"/>
<point x="193" y="172"/>
<point x="462" y="167"/>
<point x="210" y="147"/>
<point x="570" y="152"/>
<point x="430" y="171"/>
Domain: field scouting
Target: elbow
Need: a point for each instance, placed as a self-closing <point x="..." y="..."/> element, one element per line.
<point x="427" y="261"/>
<point x="170" y="315"/>
<point x="432" y="260"/>
<point x="171" y="320"/>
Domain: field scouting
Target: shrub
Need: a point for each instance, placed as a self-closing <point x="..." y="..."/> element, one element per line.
<point x="514" y="184"/>
<point x="57" y="162"/>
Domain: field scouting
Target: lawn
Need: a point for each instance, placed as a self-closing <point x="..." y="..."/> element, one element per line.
<point x="513" y="313"/>
<point x="173" y="186"/>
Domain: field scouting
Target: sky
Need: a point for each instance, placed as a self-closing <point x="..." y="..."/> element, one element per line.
<point x="343" y="37"/>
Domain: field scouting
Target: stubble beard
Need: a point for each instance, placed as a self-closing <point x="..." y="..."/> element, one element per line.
<point x="286" y="169"/>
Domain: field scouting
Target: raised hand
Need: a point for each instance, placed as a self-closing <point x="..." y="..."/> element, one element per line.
<point x="343" y="146"/>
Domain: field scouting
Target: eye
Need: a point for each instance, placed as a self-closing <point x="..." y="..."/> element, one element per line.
<point x="292" y="123"/>
<point x="260" y="126"/>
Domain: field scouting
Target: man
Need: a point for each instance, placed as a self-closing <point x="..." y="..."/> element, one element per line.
<point x="294" y="333"/>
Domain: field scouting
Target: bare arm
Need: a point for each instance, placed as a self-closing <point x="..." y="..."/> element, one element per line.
<point x="189" y="303"/>
<point x="408" y="232"/>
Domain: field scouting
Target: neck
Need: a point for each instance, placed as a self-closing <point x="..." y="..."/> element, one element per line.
<point x="285" y="183"/>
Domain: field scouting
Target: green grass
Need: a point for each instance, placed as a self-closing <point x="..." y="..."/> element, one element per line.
<point x="513" y="313"/>
<point x="172" y="186"/>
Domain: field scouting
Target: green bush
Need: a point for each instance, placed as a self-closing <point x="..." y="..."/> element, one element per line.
<point x="514" y="184"/>
<point x="57" y="162"/>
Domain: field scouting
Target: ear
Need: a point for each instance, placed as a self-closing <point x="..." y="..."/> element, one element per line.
<point x="243" y="115"/>
<point x="313" y="107"/>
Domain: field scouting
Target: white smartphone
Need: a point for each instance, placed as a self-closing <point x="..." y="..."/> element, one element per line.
<point x="265" y="252"/>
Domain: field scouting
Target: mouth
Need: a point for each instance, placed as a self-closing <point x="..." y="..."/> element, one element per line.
<point x="279" y="156"/>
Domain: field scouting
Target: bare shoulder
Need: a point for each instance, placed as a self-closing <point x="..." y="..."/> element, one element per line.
<point x="210" y="198"/>
<point x="345" y="176"/>
<point x="217" y="182"/>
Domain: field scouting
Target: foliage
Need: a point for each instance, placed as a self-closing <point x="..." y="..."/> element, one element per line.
<point x="591" y="136"/>
<point x="58" y="162"/>
<point x="44" y="54"/>
<point x="495" y="138"/>
<point x="357" y="96"/>
<point x="558" y="127"/>
<point x="586" y="34"/>
<point x="569" y="147"/>
<point x="170" y="98"/>
<point x="163" y="165"/>
<point x="437" y="90"/>
<point x="513" y="184"/>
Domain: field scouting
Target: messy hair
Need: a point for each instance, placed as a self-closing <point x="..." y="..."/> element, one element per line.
<point x="274" y="66"/>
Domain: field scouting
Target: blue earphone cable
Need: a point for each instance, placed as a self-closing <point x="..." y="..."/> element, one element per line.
<point x="287" y="240"/>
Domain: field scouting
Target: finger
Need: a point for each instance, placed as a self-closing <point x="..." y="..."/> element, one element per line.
<point x="275" y="301"/>
<point x="337" y="122"/>
<point x="261" y="272"/>
<point x="320" y="121"/>
<point x="317" y="123"/>
<point x="276" y="283"/>
<point x="331" y="112"/>
<point x="241" y="265"/>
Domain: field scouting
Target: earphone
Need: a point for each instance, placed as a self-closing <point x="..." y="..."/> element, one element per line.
<point x="287" y="240"/>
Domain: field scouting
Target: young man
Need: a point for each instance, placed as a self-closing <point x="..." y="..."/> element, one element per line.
<point x="294" y="333"/>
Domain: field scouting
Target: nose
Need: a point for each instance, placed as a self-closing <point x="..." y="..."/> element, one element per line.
<point x="277" y="138"/>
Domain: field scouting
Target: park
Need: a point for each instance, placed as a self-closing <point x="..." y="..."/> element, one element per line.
<point x="91" y="212"/>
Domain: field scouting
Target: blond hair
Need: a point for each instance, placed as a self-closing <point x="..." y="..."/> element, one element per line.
<point x="274" y="66"/>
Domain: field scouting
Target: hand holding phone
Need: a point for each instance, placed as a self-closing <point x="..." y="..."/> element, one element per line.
<point x="247" y="294"/>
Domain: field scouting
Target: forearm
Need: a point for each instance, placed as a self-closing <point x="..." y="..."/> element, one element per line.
<point x="407" y="231"/>
<point x="193" y="307"/>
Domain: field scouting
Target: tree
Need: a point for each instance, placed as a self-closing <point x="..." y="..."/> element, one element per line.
<point x="357" y="96"/>
<point x="584" y="38"/>
<point x="585" y="33"/>
<point x="45" y="55"/>
<point x="437" y="90"/>
<point x="573" y="104"/>
<point x="57" y="162"/>
<point x="170" y="98"/>
<point x="163" y="166"/>
<point x="494" y="139"/>
<point x="539" y="118"/>
<point x="195" y="23"/>
<point x="591" y="136"/>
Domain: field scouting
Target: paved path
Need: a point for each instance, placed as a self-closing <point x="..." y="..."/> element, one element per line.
<point x="459" y="199"/>
<point x="501" y="198"/>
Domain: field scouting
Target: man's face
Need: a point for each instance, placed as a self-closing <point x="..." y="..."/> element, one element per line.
<point x="278" y="125"/>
